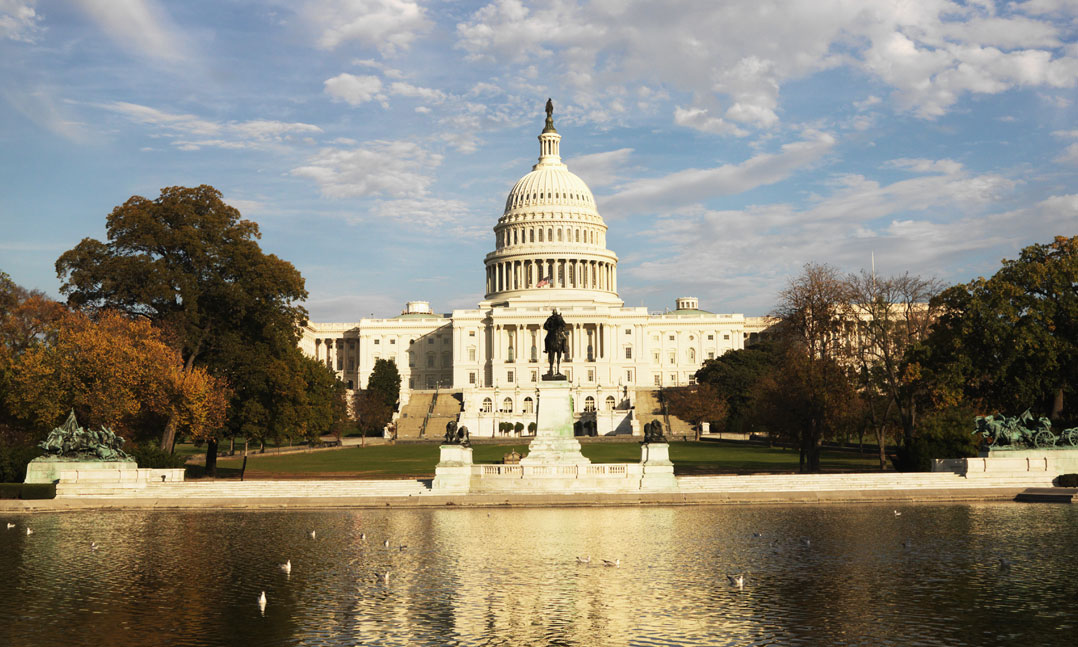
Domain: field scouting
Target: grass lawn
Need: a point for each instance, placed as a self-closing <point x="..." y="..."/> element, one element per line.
<point x="418" y="461"/>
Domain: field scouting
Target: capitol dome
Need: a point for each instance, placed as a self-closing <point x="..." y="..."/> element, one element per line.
<point x="550" y="242"/>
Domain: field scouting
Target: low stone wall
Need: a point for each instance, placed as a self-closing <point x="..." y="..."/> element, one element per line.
<point x="1049" y="462"/>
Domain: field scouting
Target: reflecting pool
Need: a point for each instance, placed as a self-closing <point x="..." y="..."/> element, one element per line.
<point x="814" y="575"/>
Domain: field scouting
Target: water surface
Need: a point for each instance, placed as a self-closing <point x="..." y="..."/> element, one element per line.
<point x="814" y="575"/>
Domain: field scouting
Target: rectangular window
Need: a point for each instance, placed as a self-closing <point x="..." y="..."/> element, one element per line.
<point x="471" y="378"/>
<point x="430" y="361"/>
<point x="628" y="352"/>
<point x="727" y="337"/>
<point x="658" y="380"/>
<point x="430" y="340"/>
<point x="591" y="375"/>
<point x="471" y="333"/>
<point x="509" y="376"/>
<point x="535" y="376"/>
<point x="471" y="354"/>
<point x="377" y="341"/>
<point x="655" y="357"/>
<point x="673" y="378"/>
<point x="673" y="358"/>
<point x="629" y="377"/>
<point x="671" y="338"/>
<point x="711" y="355"/>
<point x="628" y="331"/>
<point x="393" y="342"/>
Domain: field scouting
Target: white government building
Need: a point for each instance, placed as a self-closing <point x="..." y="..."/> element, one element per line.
<point x="482" y="366"/>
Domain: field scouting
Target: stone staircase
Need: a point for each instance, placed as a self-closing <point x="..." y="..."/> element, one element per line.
<point x="442" y="406"/>
<point x="246" y="489"/>
<point x="649" y="408"/>
<point x="864" y="481"/>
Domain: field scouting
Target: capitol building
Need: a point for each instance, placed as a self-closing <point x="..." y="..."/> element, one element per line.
<point x="482" y="366"/>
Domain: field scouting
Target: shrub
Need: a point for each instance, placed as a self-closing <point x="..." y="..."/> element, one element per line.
<point x="531" y="428"/>
<point x="519" y="427"/>
<point x="941" y="434"/>
<point x="1067" y="480"/>
<point x="149" y="455"/>
<point x="13" y="460"/>
<point x="27" y="490"/>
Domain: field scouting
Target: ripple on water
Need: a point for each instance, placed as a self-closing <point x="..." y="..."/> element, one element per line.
<point x="510" y="577"/>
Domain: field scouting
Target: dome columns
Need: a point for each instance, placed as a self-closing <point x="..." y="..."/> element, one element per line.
<point x="561" y="272"/>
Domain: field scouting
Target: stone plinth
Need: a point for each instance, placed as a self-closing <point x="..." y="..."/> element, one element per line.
<point x="454" y="470"/>
<point x="1052" y="462"/>
<point x="45" y="469"/>
<point x="658" y="471"/>
<point x="554" y="443"/>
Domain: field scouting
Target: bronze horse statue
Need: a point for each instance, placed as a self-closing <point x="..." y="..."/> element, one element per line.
<point x="557" y="349"/>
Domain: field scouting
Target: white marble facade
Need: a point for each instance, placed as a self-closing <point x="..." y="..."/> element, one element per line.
<point x="550" y="252"/>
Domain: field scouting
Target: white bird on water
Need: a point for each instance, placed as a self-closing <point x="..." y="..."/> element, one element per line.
<point x="897" y="513"/>
<point x="615" y="564"/>
<point x="384" y="577"/>
<point x="29" y="532"/>
<point x="312" y="534"/>
<point x="262" y="603"/>
<point x="738" y="581"/>
<point x="287" y="567"/>
<point x="10" y="526"/>
<point x="363" y="536"/>
<point x="385" y="543"/>
<point x="584" y="560"/>
<point x="93" y="545"/>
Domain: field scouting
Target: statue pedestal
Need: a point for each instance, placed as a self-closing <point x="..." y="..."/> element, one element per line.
<point x="45" y="469"/>
<point x="657" y="470"/>
<point x="554" y="443"/>
<point x="453" y="473"/>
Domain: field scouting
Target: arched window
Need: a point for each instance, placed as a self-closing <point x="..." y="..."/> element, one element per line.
<point x="610" y="403"/>
<point x="692" y="354"/>
<point x="540" y="235"/>
<point x="531" y="235"/>
<point x="589" y="403"/>
<point x="529" y="405"/>
<point x="550" y="234"/>
<point x="559" y="235"/>
<point x="488" y="405"/>
<point x="578" y="235"/>
<point x="507" y="405"/>
<point x="514" y="236"/>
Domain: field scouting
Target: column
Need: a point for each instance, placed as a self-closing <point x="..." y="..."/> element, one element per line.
<point x="614" y="276"/>
<point x="602" y="343"/>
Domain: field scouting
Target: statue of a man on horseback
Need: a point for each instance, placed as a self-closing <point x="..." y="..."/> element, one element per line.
<point x="556" y="343"/>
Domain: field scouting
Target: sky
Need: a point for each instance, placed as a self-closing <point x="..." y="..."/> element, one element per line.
<point x="374" y="141"/>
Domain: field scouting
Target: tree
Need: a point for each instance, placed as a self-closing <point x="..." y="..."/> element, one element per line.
<point x="115" y="372"/>
<point x="385" y="382"/>
<point x="886" y="318"/>
<point x="1009" y="342"/>
<point x="811" y="309"/>
<point x="696" y="404"/>
<point x="188" y="263"/>
<point x="734" y="375"/>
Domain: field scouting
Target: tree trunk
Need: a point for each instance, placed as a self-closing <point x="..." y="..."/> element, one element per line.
<point x="246" y="444"/>
<point x="1057" y="405"/>
<point x="231" y="445"/>
<point x="168" y="437"/>
<point x="211" y="458"/>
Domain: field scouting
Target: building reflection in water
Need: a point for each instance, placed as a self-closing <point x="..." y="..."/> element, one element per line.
<point x="510" y="576"/>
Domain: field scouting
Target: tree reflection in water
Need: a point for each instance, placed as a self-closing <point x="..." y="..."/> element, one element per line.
<point x="511" y="577"/>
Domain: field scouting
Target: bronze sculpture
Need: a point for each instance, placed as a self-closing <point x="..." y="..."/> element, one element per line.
<point x="653" y="432"/>
<point x="556" y="343"/>
<point x="71" y="442"/>
<point x="1020" y="432"/>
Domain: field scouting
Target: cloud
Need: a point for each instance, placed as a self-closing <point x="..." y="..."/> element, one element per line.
<point x="141" y="26"/>
<point x="190" y="132"/>
<point x="600" y="169"/>
<point x="395" y="169"/>
<point x="19" y="21"/>
<point x="722" y="60"/>
<point x="42" y="106"/>
<point x="387" y="25"/>
<point x="925" y="224"/>
<point x="355" y="90"/>
<point x="696" y="185"/>
<point x="452" y="217"/>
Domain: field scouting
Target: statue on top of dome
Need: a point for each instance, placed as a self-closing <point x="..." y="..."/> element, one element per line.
<point x="549" y="117"/>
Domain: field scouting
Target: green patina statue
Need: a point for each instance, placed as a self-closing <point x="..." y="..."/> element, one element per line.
<point x="72" y="442"/>
<point x="1022" y="432"/>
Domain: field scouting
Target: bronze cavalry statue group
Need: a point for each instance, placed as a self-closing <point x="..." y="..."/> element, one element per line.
<point x="1022" y="432"/>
